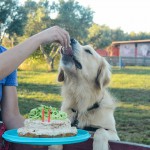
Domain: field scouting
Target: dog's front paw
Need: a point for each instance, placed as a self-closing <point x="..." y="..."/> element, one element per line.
<point x="55" y="147"/>
<point x="100" y="140"/>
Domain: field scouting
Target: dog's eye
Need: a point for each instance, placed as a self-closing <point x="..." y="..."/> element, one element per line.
<point x="88" y="51"/>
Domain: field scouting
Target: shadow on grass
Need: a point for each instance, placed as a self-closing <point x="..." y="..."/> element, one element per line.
<point x="39" y="88"/>
<point x="143" y="71"/>
<point x="133" y="124"/>
<point x="26" y="105"/>
<point x="138" y="96"/>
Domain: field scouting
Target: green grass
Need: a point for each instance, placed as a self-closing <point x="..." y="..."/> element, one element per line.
<point x="131" y="86"/>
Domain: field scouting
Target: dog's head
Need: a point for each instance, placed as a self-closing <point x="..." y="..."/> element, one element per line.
<point x="81" y="63"/>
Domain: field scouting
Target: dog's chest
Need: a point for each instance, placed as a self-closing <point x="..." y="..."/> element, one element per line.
<point x="84" y="116"/>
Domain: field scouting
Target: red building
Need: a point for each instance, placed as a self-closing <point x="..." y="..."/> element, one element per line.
<point x="110" y="51"/>
<point x="103" y="53"/>
<point x="135" y="52"/>
<point x="137" y="48"/>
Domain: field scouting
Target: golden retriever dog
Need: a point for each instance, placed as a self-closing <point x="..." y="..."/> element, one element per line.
<point x="85" y="76"/>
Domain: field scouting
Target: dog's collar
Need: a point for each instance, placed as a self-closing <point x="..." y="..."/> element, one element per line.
<point x="93" y="128"/>
<point x="94" y="106"/>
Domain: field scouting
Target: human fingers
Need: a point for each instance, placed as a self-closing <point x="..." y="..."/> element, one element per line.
<point x="65" y="38"/>
<point x="54" y="34"/>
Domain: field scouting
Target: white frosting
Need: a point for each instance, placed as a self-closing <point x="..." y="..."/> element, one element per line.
<point x="52" y="128"/>
<point x="54" y="132"/>
<point x="45" y="124"/>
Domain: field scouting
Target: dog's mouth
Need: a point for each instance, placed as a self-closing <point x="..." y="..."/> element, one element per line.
<point x="68" y="52"/>
<point x="77" y="63"/>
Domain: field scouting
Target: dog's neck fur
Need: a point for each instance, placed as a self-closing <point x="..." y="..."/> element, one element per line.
<point x="83" y="95"/>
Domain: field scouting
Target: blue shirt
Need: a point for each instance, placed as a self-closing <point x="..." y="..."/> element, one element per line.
<point x="10" y="80"/>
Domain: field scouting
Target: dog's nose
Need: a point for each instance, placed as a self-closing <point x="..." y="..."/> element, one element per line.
<point x="73" y="41"/>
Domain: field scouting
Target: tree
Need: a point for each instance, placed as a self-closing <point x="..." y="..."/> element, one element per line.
<point x="70" y="15"/>
<point x="12" y="18"/>
<point x="99" y="36"/>
<point x="75" y="18"/>
<point x="40" y="22"/>
<point x="118" y="35"/>
<point x="50" y="52"/>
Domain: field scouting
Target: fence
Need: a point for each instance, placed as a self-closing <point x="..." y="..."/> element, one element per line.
<point x="128" y="61"/>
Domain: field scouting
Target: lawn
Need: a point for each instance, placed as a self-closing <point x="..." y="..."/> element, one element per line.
<point x="131" y="86"/>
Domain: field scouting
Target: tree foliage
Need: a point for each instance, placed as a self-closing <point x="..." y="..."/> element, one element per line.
<point x="70" y="15"/>
<point x="12" y="18"/>
<point x="23" y="21"/>
<point x="75" y="18"/>
<point x="99" y="36"/>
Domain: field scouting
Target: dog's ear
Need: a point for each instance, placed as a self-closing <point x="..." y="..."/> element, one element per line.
<point x="61" y="75"/>
<point x="103" y="74"/>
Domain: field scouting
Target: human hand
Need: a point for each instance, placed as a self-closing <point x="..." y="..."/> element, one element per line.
<point x="55" y="34"/>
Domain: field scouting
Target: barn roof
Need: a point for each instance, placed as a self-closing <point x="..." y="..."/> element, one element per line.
<point x="130" y="42"/>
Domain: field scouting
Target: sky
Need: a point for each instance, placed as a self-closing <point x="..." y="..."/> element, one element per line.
<point x="128" y="15"/>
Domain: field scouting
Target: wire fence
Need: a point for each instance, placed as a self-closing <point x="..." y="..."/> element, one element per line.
<point x="128" y="61"/>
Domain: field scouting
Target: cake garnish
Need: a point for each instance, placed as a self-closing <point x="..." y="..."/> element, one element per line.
<point x="49" y="113"/>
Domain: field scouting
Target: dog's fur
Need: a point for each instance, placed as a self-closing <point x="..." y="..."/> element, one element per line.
<point x="85" y="76"/>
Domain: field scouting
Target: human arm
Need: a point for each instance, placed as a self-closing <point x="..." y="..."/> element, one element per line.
<point x="11" y="59"/>
<point x="9" y="106"/>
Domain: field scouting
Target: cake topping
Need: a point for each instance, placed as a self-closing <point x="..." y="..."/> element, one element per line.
<point x="48" y="112"/>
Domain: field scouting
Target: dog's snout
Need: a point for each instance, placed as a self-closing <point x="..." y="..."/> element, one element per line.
<point x="73" y="41"/>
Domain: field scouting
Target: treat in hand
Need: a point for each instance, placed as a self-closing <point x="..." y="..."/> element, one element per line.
<point x="67" y="51"/>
